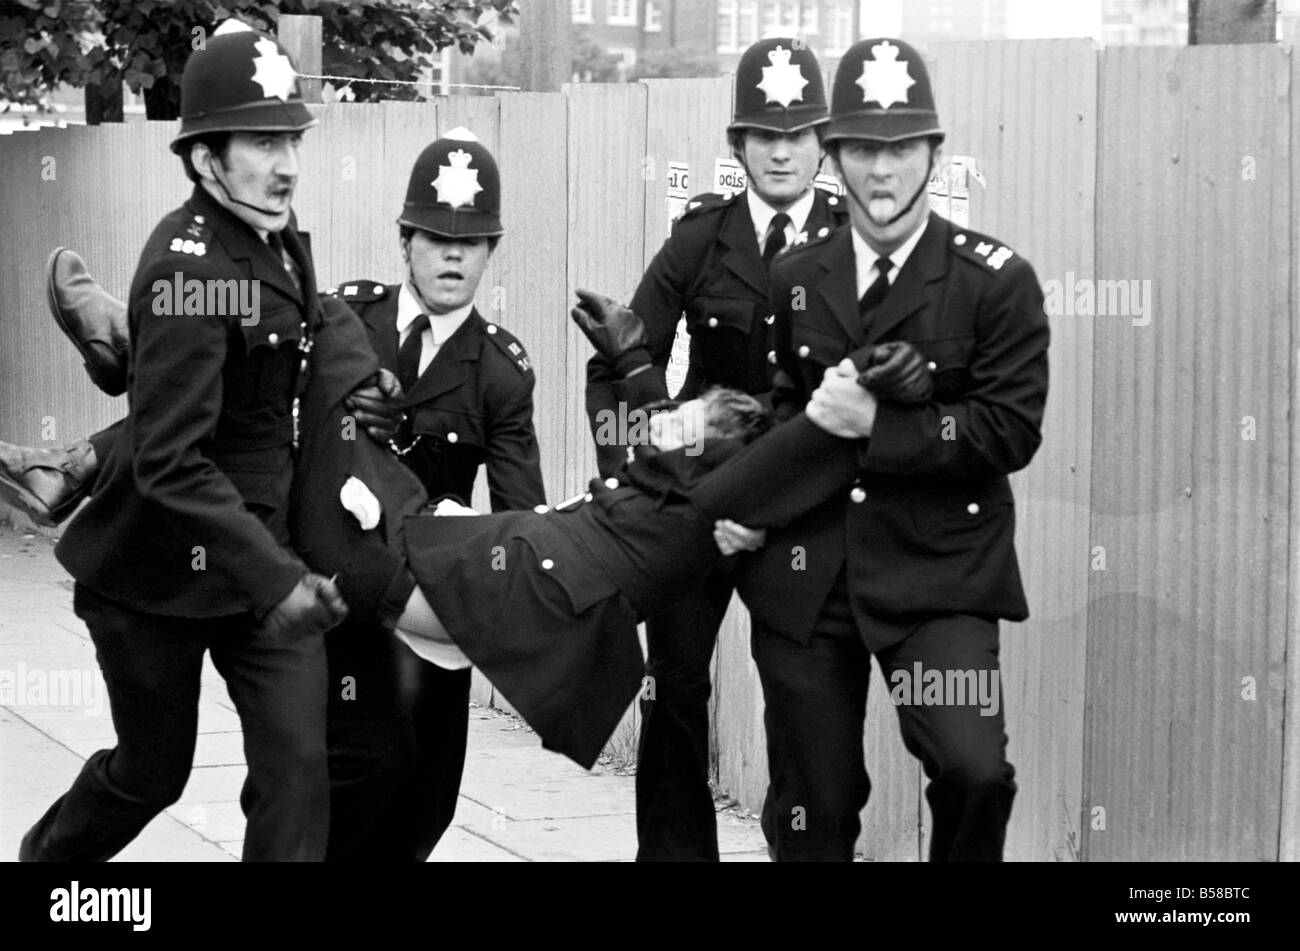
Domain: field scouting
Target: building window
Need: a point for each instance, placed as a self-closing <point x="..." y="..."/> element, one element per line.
<point x="620" y="12"/>
<point x="653" y="17"/>
<point x="839" y="30"/>
<point x="747" y="29"/>
<point x="727" y="26"/>
<point x="581" y="11"/>
<point x="810" y="19"/>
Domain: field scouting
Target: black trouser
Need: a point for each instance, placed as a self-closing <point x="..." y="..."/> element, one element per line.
<point x="816" y="699"/>
<point x="675" y="820"/>
<point x="397" y="731"/>
<point x="152" y="667"/>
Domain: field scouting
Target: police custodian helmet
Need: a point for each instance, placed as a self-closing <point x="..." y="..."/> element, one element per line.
<point x="882" y="92"/>
<point x="455" y="189"/>
<point x="778" y="88"/>
<point x="240" y="81"/>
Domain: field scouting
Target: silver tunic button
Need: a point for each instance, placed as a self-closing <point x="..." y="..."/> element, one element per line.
<point x="858" y="495"/>
<point x="611" y="483"/>
<point x="973" y="508"/>
<point x="959" y="240"/>
<point x="491" y="328"/>
<point x="713" y="321"/>
<point x="587" y="497"/>
<point x="547" y="564"/>
<point x="452" y="437"/>
<point x="541" y="509"/>
<point x="273" y="338"/>
<point x="932" y="365"/>
<point x="804" y="351"/>
<point x="199" y="219"/>
<point x="771" y="356"/>
<point x="823" y="232"/>
<point x="379" y="289"/>
<point x="833" y="201"/>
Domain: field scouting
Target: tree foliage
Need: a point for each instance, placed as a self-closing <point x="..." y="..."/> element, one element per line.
<point x="145" y="43"/>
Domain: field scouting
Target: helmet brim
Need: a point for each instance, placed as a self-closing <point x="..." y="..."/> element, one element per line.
<point x="292" y="116"/>
<point x="895" y="126"/>
<point x="449" y="223"/>
<point x="783" y="122"/>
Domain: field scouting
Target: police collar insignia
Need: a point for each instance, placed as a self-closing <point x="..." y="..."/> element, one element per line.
<point x="782" y="82"/>
<point x="274" y="72"/>
<point x="457" y="183"/>
<point x="884" y="79"/>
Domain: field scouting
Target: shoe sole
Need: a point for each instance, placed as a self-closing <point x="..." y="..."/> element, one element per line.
<point x="52" y="300"/>
<point x="24" y="501"/>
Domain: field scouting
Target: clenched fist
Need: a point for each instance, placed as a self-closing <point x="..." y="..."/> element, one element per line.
<point x="897" y="371"/>
<point x="612" y="328"/>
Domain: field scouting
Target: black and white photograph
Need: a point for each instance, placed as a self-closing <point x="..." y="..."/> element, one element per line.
<point x="610" y="431"/>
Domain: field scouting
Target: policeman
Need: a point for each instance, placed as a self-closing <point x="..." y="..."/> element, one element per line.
<point x="398" y="745"/>
<point x="915" y="564"/>
<point x="714" y="270"/>
<point x="184" y="546"/>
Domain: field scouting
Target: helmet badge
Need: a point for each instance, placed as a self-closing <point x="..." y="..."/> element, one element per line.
<point x="884" y="79"/>
<point x="782" y="82"/>
<point x="457" y="183"/>
<point x="273" y="71"/>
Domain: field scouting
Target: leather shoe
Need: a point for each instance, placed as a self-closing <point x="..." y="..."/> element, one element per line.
<point x="93" y="319"/>
<point x="46" y="484"/>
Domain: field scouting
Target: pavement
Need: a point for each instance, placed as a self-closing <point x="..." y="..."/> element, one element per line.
<point x="518" y="802"/>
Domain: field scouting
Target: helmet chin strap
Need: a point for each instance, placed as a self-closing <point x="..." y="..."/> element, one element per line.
<point x="415" y="287"/>
<point x="231" y="198"/>
<point x="916" y="196"/>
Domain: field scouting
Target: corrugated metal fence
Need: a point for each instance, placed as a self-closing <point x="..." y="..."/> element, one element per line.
<point x="1158" y="531"/>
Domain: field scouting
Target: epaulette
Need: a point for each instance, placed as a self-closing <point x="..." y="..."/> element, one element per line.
<point x="360" y="292"/>
<point x="709" y="201"/>
<point x="980" y="249"/>
<point x="193" y="238"/>
<point x="509" y="345"/>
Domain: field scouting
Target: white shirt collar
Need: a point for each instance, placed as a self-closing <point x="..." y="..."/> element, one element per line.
<point x="865" y="257"/>
<point x="441" y="326"/>
<point x="761" y="213"/>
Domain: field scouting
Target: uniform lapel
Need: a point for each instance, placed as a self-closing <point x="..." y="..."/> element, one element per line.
<point x="742" y="257"/>
<point x="380" y="319"/>
<point x="926" y="264"/>
<point x="839" y="286"/>
<point x="243" y="243"/>
<point x="448" y="370"/>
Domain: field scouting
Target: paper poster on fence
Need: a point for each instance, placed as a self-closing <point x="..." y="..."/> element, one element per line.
<point x="728" y="176"/>
<point x="950" y="187"/>
<point x="678" y="190"/>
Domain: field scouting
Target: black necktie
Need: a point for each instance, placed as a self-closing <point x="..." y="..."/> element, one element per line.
<point x="408" y="358"/>
<point x="286" y="259"/>
<point x="876" y="292"/>
<point x="775" y="236"/>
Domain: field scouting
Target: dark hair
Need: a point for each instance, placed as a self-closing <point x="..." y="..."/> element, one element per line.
<point x="736" y="139"/>
<point x="833" y="147"/>
<point x="406" y="232"/>
<point x="735" y="415"/>
<point x="218" y="144"/>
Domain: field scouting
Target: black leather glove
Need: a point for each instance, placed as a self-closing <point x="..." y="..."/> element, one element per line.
<point x="614" y="330"/>
<point x="897" y="371"/>
<point x="376" y="405"/>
